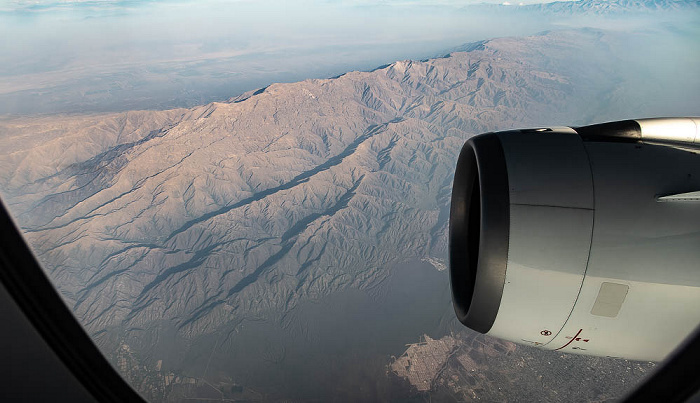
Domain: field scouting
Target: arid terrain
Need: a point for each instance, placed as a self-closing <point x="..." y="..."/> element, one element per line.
<point x="224" y="250"/>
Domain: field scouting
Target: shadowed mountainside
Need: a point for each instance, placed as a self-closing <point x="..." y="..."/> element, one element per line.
<point x="203" y="215"/>
<point x="185" y="223"/>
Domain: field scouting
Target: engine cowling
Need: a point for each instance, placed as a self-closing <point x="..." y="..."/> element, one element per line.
<point x="584" y="240"/>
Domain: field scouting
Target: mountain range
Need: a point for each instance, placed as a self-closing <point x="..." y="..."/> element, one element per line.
<point x="291" y="191"/>
<point x="185" y="223"/>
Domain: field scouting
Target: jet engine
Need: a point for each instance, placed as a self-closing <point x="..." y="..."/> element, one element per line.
<point x="583" y="240"/>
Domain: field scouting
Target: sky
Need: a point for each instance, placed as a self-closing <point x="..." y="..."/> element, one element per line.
<point x="95" y="56"/>
<point x="47" y="4"/>
<point x="118" y="55"/>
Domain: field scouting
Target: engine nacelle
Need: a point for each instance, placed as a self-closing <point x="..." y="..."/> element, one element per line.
<point x="581" y="240"/>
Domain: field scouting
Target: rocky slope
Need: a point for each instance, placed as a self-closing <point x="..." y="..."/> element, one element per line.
<point x="181" y="224"/>
<point x="472" y="367"/>
<point x="619" y="6"/>
<point x="597" y="7"/>
<point x="203" y="215"/>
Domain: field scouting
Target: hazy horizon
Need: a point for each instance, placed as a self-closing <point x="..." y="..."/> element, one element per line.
<point x="77" y="57"/>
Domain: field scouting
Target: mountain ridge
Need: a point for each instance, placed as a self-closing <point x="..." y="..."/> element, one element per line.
<point x="598" y="6"/>
<point x="215" y="234"/>
<point x="149" y="212"/>
<point x="292" y="221"/>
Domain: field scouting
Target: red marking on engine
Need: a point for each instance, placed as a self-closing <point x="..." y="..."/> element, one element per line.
<point x="572" y="339"/>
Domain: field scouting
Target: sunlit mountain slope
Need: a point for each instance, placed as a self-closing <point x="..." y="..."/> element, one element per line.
<point x="207" y="215"/>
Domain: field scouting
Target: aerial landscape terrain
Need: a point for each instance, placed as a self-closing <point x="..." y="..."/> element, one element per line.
<point x="289" y="241"/>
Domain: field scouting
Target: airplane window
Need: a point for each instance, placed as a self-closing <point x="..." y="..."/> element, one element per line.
<point x="251" y="200"/>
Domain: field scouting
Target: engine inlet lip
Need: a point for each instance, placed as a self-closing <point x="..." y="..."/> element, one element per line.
<point x="479" y="231"/>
